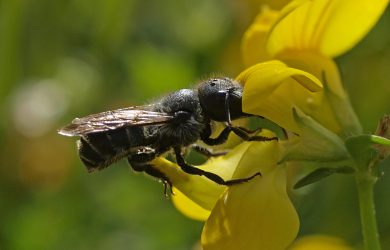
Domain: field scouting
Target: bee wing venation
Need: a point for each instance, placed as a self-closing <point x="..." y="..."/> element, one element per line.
<point x="114" y="119"/>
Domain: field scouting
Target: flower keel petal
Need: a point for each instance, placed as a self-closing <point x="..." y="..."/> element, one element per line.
<point x="187" y="207"/>
<point x="254" y="215"/>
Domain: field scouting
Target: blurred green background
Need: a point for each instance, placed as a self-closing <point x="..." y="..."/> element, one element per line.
<point x="62" y="59"/>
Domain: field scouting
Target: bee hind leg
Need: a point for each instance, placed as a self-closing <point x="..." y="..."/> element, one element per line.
<point x="211" y="176"/>
<point x="164" y="179"/>
<point x="140" y="162"/>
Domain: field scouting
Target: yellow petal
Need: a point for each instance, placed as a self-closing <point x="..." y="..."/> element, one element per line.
<point x="335" y="112"/>
<point x="319" y="66"/>
<point x="258" y="157"/>
<point x="343" y="30"/>
<point x="199" y="189"/>
<point x="257" y="214"/>
<point x="187" y="207"/>
<point x="320" y="242"/>
<point x="254" y="42"/>
<point x="251" y="216"/>
<point x="255" y="38"/>
<point x="330" y="27"/>
<point x="272" y="89"/>
<point x="193" y="194"/>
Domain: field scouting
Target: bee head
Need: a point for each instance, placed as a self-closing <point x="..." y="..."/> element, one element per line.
<point x="216" y="95"/>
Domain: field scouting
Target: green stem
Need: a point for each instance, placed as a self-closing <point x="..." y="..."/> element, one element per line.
<point x="365" y="185"/>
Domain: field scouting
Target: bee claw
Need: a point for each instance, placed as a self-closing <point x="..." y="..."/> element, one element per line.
<point x="167" y="188"/>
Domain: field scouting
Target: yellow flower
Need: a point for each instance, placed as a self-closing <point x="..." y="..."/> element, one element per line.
<point x="272" y="88"/>
<point x="300" y="90"/>
<point x="253" y="215"/>
<point x="320" y="242"/>
<point x="306" y="35"/>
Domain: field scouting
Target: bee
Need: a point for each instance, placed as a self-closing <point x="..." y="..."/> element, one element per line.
<point x="173" y="123"/>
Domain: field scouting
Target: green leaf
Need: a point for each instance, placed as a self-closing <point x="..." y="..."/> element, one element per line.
<point x="368" y="140"/>
<point x="379" y="140"/>
<point x="320" y="174"/>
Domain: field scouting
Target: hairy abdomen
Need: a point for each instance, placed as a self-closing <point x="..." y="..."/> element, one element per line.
<point x="99" y="150"/>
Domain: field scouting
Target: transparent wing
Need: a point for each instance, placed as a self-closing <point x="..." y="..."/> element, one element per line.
<point x="110" y="120"/>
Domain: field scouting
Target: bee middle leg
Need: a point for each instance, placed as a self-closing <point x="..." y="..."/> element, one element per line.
<point x="211" y="176"/>
<point x="207" y="152"/>
<point x="247" y="137"/>
<point x="243" y="133"/>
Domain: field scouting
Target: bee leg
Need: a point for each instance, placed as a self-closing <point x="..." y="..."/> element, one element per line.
<point x="250" y="131"/>
<point x="140" y="162"/>
<point x="143" y="154"/>
<point x="246" y="137"/>
<point x="240" y="131"/>
<point x="220" y="139"/>
<point x="211" y="176"/>
<point x="164" y="179"/>
<point x="207" y="152"/>
<point x="148" y="169"/>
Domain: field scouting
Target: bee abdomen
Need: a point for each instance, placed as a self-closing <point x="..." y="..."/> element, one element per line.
<point x="88" y="155"/>
<point x="99" y="150"/>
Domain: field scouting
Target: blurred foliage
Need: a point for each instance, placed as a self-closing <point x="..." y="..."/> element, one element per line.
<point x="62" y="59"/>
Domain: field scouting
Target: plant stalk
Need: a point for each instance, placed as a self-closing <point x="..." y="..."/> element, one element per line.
<point x="365" y="185"/>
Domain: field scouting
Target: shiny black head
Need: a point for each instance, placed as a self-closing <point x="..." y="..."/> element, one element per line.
<point x="216" y="95"/>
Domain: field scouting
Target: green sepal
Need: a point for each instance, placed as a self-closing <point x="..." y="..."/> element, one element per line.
<point x="343" y="111"/>
<point x="314" y="143"/>
<point x="362" y="151"/>
<point x="321" y="173"/>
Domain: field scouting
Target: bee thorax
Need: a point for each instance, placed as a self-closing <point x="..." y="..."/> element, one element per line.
<point x="182" y="134"/>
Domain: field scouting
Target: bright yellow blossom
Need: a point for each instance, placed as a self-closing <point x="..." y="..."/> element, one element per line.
<point x="320" y="242"/>
<point x="300" y="90"/>
<point x="306" y="35"/>
<point x="254" y="215"/>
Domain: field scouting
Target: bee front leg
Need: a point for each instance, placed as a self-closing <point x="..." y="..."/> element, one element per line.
<point x="211" y="176"/>
<point x="240" y="131"/>
<point x="220" y="139"/>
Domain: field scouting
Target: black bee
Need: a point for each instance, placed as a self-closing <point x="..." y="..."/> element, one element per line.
<point x="176" y="121"/>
